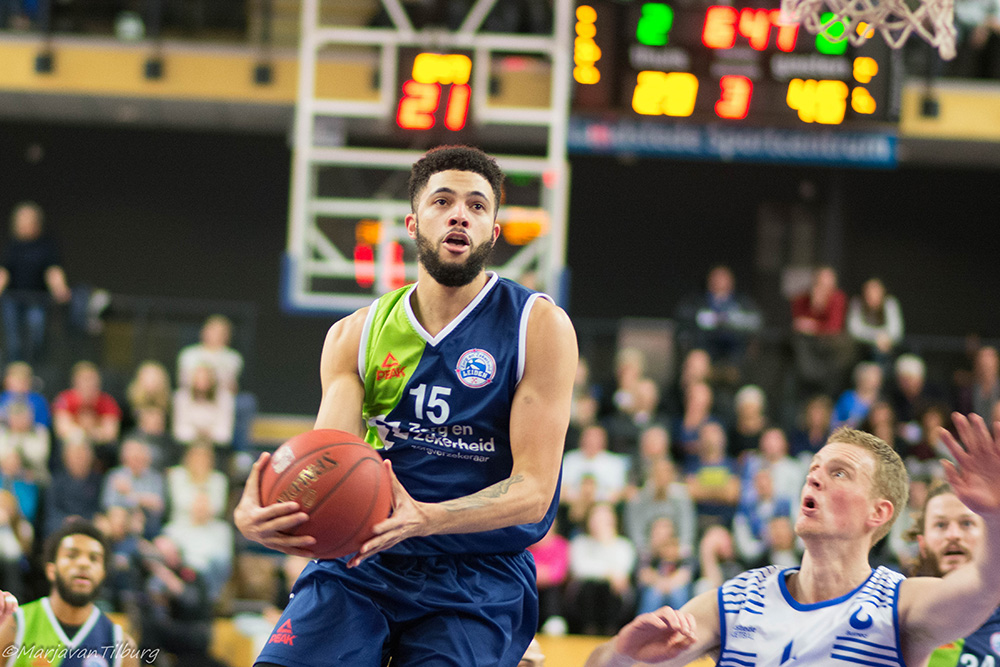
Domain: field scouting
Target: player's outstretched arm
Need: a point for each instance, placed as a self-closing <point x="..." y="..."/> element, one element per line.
<point x="538" y="422"/>
<point x="667" y="637"/>
<point x="935" y="611"/>
<point x="340" y="408"/>
<point x="8" y="626"/>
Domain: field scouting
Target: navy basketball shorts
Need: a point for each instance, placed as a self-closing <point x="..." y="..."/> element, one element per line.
<point x="449" y="610"/>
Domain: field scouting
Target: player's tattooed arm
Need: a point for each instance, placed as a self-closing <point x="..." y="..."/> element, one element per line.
<point x="484" y="497"/>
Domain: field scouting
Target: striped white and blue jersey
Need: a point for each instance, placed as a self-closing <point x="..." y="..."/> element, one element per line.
<point x="762" y="625"/>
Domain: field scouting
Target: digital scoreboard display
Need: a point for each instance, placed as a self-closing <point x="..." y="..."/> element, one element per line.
<point x="739" y="64"/>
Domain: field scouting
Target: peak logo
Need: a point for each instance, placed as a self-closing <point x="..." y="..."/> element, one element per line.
<point x="390" y="369"/>
<point x="283" y="635"/>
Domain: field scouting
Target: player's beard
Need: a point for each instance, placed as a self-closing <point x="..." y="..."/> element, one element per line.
<point x="447" y="273"/>
<point x="74" y="598"/>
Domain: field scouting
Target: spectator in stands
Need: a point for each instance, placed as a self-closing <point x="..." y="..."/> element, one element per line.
<point x="663" y="495"/>
<point x="910" y="395"/>
<point x="630" y="368"/>
<point x="782" y="547"/>
<point x="750" y="404"/>
<point x="551" y="555"/>
<point x="573" y="511"/>
<point x="85" y="408"/>
<point x="717" y="562"/>
<point x="853" y="405"/>
<point x="666" y="571"/>
<point x="18" y="384"/>
<point x="599" y="593"/>
<point x="654" y="445"/>
<point x="814" y="427"/>
<point x="978" y="42"/>
<point x="697" y="413"/>
<point x="134" y="484"/>
<point x="984" y="389"/>
<point x="214" y="350"/>
<point x="123" y="528"/>
<point x="197" y="480"/>
<point x="713" y="479"/>
<point x="787" y="474"/>
<point x="150" y="387"/>
<point x="20" y="434"/>
<point x="594" y="460"/>
<point x="821" y="350"/>
<point x="30" y="271"/>
<point x="625" y="425"/>
<point x="752" y="520"/>
<point x="923" y="457"/>
<point x="76" y="487"/>
<point x="205" y="542"/>
<point x="16" y="541"/>
<point x="719" y="320"/>
<point x="15" y="479"/>
<point x="904" y="549"/>
<point x="151" y="427"/>
<point x="881" y="421"/>
<point x="585" y="406"/>
<point x="204" y="409"/>
<point x="875" y="322"/>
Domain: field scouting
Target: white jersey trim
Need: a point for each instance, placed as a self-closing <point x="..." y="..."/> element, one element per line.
<point x="522" y="332"/>
<point x="434" y="340"/>
<point x="363" y="344"/>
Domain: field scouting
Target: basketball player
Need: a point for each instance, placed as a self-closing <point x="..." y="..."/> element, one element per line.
<point x="464" y="382"/>
<point x="834" y="609"/>
<point x="948" y="534"/>
<point x="65" y="628"/>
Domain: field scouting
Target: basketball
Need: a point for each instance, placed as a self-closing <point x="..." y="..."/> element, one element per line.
<point x="338" y="480"/>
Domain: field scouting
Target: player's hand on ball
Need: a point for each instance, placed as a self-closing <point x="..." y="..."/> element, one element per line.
<point x="267" y="525"/>
<point x="409" y="519"/>
<point x="656" y="636"/>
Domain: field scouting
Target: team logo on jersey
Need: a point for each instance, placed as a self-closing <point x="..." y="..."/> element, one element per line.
<point x="390" y="369"/>
<point x="282" y="458"/>
<point x="283" y="635"/>
<point x="862" y="618"/>
<point x="476" y="368"/>
<point x="995" y="642"/>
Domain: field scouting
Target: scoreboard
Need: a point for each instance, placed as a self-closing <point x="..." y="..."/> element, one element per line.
<point x="738" y="64"/>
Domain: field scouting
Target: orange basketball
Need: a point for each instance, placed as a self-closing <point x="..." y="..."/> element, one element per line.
<point x="338" y="480"/>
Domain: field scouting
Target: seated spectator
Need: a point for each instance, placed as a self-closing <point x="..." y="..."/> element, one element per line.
<point x="214" y="350"/>
<point x="752" y="520"/>
<point x="787" y="474"/>
<point x="150" y="386"/>
<point x="16" y="541"/>
<point x="551" y="555"/>
<point x="630" y="368"/>
<point x="654" y="445"/>
<point x="572" y="513"/>
<point x="853" y="405"/>
<point x="625" y="425"/>
<point x="23" y="435"/>
<point x="599" y="592"/>
<point x="696" y="367"/>
<point x="875" y="322"/>
<point x="151" y="427"/>
<point x="903" y="548"/>
<point x="697" y="413"/>
<point x="717" y="562"/>
<point x="822" y="352"/>
<point x="30" y="271"/>
<point x="713" y="479"/>
<point x="910" y="394"/>
<point x="751" y="420"/>
<point x="204" y="409"/>
<point x="924" y="457"/>
<point x="719" y="320"/>
<point x="19" y="482"/>
<point x="123" y="529"/>
<point x="663" y="495"/>
<point x="983" y="389"/>
<point x="85" y="408"/>
<point x="881" y="421"/>
<point x="585" y="406"/>
<point x="665" y="569"/>
<point x="135" y="485"/>
<point x="76" y="486"/>
<point x="206" y="544"/>
<point x="782" y="547"/>
<point x="814" y="428"/>
<point x="594" y="460"/>
<point x="197" y="479"/>
<point x="18" y="385"/>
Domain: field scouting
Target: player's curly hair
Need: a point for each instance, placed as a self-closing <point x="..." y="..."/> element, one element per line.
<point x="75" y="525"/>
<point x="460" y="158"/>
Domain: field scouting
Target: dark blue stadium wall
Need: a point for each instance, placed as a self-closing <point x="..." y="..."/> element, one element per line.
<point x="182" y="214"/>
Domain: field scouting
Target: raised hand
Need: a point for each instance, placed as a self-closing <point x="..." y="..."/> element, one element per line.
<point x="656" y="636"/>
<point x="268" y="525"/>
<point x="976" y="480"/>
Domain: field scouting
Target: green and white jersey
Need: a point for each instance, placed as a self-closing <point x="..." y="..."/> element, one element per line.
<point x="41" y="642"/>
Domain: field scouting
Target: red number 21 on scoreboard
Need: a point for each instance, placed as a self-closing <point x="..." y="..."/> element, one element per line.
<point x="422" y="94"/>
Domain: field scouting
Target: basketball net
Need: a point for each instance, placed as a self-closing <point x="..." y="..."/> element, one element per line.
<point x="932" y="20"/>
